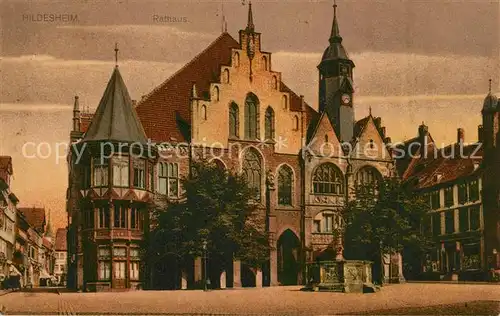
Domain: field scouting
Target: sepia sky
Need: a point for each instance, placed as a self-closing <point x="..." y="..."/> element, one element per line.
<point x="416" y="60"/>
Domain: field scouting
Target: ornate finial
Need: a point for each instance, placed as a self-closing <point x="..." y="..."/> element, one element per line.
<point x="76" y="105"/>
<point x="335" y="33"/>
<point x="250" y="25"/>
<point x="489" y="89"/>
<point x="116" y="54"/>
<point x="224" y="28"/>
<point x="370" y="110"/>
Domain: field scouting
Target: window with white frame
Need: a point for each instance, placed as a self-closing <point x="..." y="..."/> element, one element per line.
<point x="134" y="270"/>
<point x="119" y="252"/>
<point x="119" y="270"/>
<point x="104" y="270"/>
<point x="327" y="222"/>
<point x="120" y="171"/>
<point x="100" y="172"/>
<point x="168" y="179"/>
<point x="139" y="174"/>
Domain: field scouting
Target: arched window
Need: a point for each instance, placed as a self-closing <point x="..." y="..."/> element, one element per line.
<point x="203" y="112"/>
<point x="264" y="63"/>
<point x="285" y="185"/>
<point x="216" y="93"/>
<point x="225" y="77"/>
<point x="234" y="120"/>
<point x="327" y="179"/>
<point x="295" y="123"/>
<point x="367" y="179"/>
<point x="236" y="60"/>
<point x="219" y="163"/>
<point x="284" y="102"/>
<point x="275" y="83"/>
<point x="252" y="170"/>
<point x="252" y="117"/>
<point x="269" y="124"/>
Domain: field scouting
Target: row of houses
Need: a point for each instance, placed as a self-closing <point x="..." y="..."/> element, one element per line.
<point x="28" y="250"/>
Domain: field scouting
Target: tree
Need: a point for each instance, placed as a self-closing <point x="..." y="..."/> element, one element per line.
<point x="216" y="210"/>
<point x="383" y="220"/>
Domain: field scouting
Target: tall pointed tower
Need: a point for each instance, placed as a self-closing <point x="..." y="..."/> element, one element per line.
<point x="336" y="84"/>
<point x="110" y="194"/>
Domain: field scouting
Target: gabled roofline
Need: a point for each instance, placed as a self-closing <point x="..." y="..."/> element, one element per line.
<point x="161" y="85"/>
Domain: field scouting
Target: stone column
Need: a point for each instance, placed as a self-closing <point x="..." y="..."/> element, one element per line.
<point x="272" y="227"/>
<point x="198" y="272"/>
<point x="236" y="273"/>
<point x="386" y="262"/>
<point x="223" y="280"/>
<point x="258" y="278"/>
<point x="184" y="280"/>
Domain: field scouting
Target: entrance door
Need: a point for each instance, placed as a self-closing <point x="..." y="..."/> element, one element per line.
<point x="288" y="258"/>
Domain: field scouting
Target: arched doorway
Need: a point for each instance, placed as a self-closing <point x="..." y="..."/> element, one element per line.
<point x="288" y="258"/>
<point x="247" y="276"/>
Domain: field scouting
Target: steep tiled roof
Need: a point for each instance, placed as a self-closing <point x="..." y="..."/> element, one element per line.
<point x="47" y="243"/>
<point x="60" y="244"/>
<point x="85" y="120"/>
<point x="115" y="118"/>
<point x="445" y="166"/>
<point x="164" y="112"/>
<point x="35" y="216"/>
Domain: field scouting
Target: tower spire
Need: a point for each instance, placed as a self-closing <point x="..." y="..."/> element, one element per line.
<point x="250" y="25"/>
<point x="335" y="33"/>
<point x="224" y="23"/>
<point x="116" y="54"/>
<point x="489" y="88"/>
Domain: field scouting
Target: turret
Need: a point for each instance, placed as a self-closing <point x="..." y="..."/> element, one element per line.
<point x="336" y="85"/>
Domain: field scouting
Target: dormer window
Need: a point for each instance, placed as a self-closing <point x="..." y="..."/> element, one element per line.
<point x="438" y="177"/>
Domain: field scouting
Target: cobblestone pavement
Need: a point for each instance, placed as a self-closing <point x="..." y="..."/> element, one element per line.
<point x="263" y="301"/>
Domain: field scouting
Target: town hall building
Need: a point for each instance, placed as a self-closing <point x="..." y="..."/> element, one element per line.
<point x="230" y="106"/>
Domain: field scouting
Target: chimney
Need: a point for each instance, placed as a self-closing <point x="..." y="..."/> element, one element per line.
<point x="378" y="122"/>
<point x="480" y="131"/>
<point x="460" y="136"/>
<point x="383" y="131"/>
<point x="423" y="132"/>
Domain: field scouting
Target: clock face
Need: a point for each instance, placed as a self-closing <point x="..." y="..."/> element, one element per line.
<point x="346" y="98"/>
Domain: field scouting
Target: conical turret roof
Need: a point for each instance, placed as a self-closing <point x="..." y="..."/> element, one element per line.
<point x="115" y="118"/>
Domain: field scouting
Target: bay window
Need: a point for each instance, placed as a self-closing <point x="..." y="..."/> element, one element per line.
<point x="103" y="217"/>
<point x="100" y="172"/>
<point x="120" y="214"/>
<point x="139" y="174"/>
<point x="120" y="171"/>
